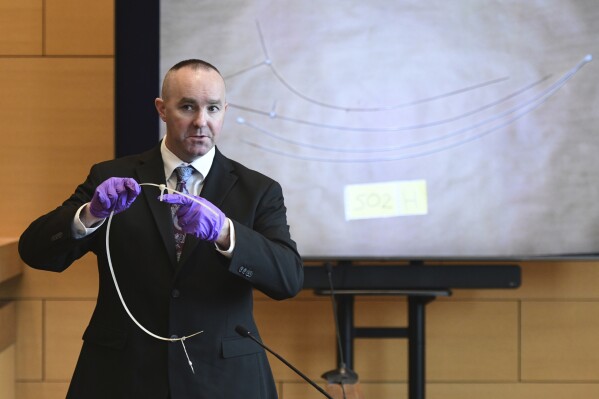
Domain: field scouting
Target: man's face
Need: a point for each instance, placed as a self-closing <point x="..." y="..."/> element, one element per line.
<point x="193" y="107"/>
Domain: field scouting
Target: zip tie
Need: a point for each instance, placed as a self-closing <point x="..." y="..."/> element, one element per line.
<point x="185" y="350"/>
<point x="162" y="187"/>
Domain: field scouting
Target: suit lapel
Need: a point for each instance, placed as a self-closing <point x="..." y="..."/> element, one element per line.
<point x="151" y="170"/>
<point x="218" y="183"/>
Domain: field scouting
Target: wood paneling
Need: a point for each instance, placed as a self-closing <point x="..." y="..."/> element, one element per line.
<point x="472" y="341"/>
<point x="42" y="390"/>
<point x="300" y="331"/>
<point x="301" y="390"/>
<point x="465" y="341"/>
<point x="559" y="341"/>
<point x="21" y="27"/>
<point x="298" y="390"/>
<point x="80" y="281"/>
<point x="8" y="321"/>
<point x="7" y="373"/>
<point x="65" y="322"/>
<point x="58" y="119"/>
<point x="80" y="27"/>
<point x="29" y="342"/>
<point x="563" y="280"/>
<point x="511" y="391"/>
<point x="10" y="264"/>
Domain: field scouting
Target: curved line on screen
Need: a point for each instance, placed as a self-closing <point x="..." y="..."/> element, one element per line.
<point x="528" y="107"/>
<point x="268" y="62"/>
<point x="241" y="72"/>
<point x="454" y="118"/>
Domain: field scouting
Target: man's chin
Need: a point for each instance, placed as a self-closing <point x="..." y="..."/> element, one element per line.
<point x="198" y="151"/>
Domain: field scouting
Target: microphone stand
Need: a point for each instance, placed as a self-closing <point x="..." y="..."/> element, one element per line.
<point x="342" y="374"/>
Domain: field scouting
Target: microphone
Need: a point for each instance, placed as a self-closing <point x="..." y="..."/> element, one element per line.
<point x="244" y="332"/>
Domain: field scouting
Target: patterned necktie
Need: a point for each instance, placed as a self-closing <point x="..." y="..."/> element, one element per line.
<point x="183" y="173"/>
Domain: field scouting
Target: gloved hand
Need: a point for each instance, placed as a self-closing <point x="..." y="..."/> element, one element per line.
<point x="202" y="218"/>
<point x="116" y="193"/>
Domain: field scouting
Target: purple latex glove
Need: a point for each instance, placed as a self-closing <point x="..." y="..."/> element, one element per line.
<point x="116" y="193"/>
<point x="202" y="218"/>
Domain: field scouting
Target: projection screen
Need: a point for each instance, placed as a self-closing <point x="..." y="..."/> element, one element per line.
<point x="411" y="129"/>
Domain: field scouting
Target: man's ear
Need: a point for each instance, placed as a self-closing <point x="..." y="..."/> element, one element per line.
<point x="160" y="107"/>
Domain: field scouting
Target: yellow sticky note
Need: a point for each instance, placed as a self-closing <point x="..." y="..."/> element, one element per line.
<point x="383" y="200"/>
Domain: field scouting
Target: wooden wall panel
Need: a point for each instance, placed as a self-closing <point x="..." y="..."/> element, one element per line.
<point x="10" y="264"/>
<point x="389" y="390"/>
<point x="300" y="331"/>
<point x="80" y="281"/>
<point x="559" y="341"/>
<point x="29" y="342"/>
<point x="7" y="373"/>
<point x="564" y="280"/>
<point x="472" y="341"/>
<point x="42" y="390"/>
<point x="80" y="27"/>
<point x="58" y="115"/>
<point x="302" y="390"/>
<point x="65" y="322"/>
<point x="21" y="27"/>
<point x="511" y="391"/>
<point x="465" y="341"/>
<point x="8" y="321"/>
<point x="381" y="359"/>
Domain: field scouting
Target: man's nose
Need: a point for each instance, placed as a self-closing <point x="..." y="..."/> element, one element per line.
<point x="200" y="119"/>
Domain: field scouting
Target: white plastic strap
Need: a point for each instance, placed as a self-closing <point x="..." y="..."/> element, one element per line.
<point x="162" y="188"/>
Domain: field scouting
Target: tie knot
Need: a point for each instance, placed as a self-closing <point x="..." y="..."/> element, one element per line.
<point x="183" y="173"/>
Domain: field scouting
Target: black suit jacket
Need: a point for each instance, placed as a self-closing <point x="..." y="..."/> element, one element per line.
<point x="203" y="291"/>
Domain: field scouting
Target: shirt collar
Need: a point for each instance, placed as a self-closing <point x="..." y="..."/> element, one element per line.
<point x="171" y="161"/>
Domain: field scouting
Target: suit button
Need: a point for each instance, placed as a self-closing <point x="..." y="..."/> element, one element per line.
<point x="175" y="293"/>
<point x="174" y="336"/>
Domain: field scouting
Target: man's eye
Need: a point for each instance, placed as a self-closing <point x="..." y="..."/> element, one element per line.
<point x="187" y="107"/>
<point x="213" y="108"/>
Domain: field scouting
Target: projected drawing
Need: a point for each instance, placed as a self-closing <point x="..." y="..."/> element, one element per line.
<point x="411" y="129"/>
<point x="439" y="140"/>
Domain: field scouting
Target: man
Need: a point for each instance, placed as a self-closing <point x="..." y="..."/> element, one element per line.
<point x="237" y="239"/>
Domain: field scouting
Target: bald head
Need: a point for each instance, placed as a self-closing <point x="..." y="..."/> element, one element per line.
<point x="193" y="64"/>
